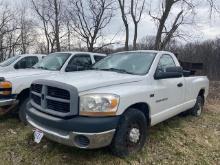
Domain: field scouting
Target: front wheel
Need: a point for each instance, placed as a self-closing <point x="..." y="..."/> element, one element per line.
<point x="198" y="108"/>
<point x="22" y="111"/>
<point x="131" y="133"/>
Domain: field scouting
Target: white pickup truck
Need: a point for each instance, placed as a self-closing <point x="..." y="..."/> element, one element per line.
<point x="20" y="62"/>
<point x="15" y="85"/>
<point x="114" y="104"/>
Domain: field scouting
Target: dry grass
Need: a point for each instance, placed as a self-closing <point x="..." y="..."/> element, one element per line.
<point x="180" y="140"/>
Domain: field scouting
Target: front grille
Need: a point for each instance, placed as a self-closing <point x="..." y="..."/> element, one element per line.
<point x="36" y="99"/>
<point x="36" y="88"/>
<point x="57" y="99"/>
<point x="57" y="92"/>
<point x="58" y="106"/>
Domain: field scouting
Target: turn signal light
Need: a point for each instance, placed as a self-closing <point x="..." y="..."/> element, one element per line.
<point x="5" y="88"/>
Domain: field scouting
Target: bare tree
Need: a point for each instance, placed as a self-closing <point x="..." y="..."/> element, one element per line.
<point x="57" y="7"/>
<point x="8" y="28"/>
<point x="185" y="16"/>
<point x="27" y="33"/>
<point x="205" y="52"/>
<point x="214" y="7"/>
<point x="137" y="8"/>
<point x="124" y="13"/>
<point x="161" y="41"/>
<point x="40" y="9"/>
<point x="50" y="14"/>
<point x="68" y="26"/>
<point x="90" y="18"/>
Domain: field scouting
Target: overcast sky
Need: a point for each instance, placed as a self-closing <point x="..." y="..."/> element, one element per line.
<point x="205" y="29"/>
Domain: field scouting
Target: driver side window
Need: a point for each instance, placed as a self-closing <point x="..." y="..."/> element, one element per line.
<point x="26" y="62"/>
<point x="79" y="63"/>
<point x="165" y="62"/>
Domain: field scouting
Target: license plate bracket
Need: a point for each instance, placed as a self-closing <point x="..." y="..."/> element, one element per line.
<point x="38" y="135"/>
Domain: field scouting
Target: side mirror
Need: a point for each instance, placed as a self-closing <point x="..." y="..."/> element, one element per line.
<point x="171" y="72"/>
<point x="71" y="68"/>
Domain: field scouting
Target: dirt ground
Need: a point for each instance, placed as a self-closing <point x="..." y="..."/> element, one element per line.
<point x="180" y="140"/>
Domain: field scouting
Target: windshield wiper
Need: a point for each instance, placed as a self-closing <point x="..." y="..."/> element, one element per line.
<point x="41" y="67"/>
<point x="115" y="70"/>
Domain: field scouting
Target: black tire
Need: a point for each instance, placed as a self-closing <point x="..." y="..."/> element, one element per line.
<point x="22" y="111"/>
<point x="125" y="141"/>
<point x="198" y="108"/>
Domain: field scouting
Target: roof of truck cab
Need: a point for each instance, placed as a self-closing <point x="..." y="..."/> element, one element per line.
<point x="82" y="53"/>
<point x="25" y="55"/>
<point x="145" y="51"/>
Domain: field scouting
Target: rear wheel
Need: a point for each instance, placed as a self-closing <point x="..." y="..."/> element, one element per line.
<point x="198" y="108"/>
<point x="131" y="133"/>
<point x="22" y="111"/>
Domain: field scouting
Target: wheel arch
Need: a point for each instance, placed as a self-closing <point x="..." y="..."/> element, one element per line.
<point x="202" y="94"/>
<point x="144" y="108"/>
<point x="23" y="95"/>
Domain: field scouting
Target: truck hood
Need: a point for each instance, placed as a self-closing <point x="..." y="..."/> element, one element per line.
<point x="88" y="80"/>
<point x="3" y="69"/>
<point x="24" y="73"/>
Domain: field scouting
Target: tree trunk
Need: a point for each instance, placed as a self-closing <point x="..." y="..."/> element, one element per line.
<point x="69" y="37"/>
<point x="135" y="36"/>
<point x="57" y="28"/>
<point x="126" y="37"/>
<point x="124" y="19"/>
<point x="91" y="47"/>
<point x="23" y="51"/>
<point x="168" y="6"/>
<point x="1" y="48"/>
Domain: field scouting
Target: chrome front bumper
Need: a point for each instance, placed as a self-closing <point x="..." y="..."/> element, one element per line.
<point x="6" y="102"/>
<point x="6" y="105"/>
<point x="93" y="140"/>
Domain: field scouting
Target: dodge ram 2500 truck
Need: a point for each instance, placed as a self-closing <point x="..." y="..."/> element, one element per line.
<point x="114" y="104"/>
<point x="14" y="86"/>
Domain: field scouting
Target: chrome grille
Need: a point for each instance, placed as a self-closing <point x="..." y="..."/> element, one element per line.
<point x="36" y="99"/>
<point x="36" y="88"/>
<point x="59" y="93"/>
<point x="54" y="98"/>
<point x="58" y="106"/>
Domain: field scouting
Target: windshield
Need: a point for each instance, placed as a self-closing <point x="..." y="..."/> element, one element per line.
<point x="137" y="63"/>
<point x="9" y="61"/>
<point x="53" y="61"/>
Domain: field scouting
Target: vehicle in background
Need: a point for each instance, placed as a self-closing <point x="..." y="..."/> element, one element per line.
<point x="115" y="103"/>
<point x="20" y="62"/>
<point x="15" y="85"/>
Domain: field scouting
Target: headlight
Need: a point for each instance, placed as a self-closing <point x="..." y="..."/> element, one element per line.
<point x="5" y="88"/>
<point x="99" y="105"/>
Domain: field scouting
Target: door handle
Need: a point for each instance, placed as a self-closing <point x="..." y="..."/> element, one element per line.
<point x="180" y="85"/>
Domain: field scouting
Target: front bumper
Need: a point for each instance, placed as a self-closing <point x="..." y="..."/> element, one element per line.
<point x="6" y="102"/>
<point x="80" y="132"/>
<point x="7" y="105"/>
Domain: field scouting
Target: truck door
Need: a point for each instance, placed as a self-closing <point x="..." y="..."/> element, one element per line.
<point x="169" y="93"/>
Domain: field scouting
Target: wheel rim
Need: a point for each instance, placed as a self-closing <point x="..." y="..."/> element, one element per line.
<point x="134" y="136"/>
<point x="199" y="110"/>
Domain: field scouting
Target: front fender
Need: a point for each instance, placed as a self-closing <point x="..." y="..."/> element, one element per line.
<point x="130" y="94"/>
